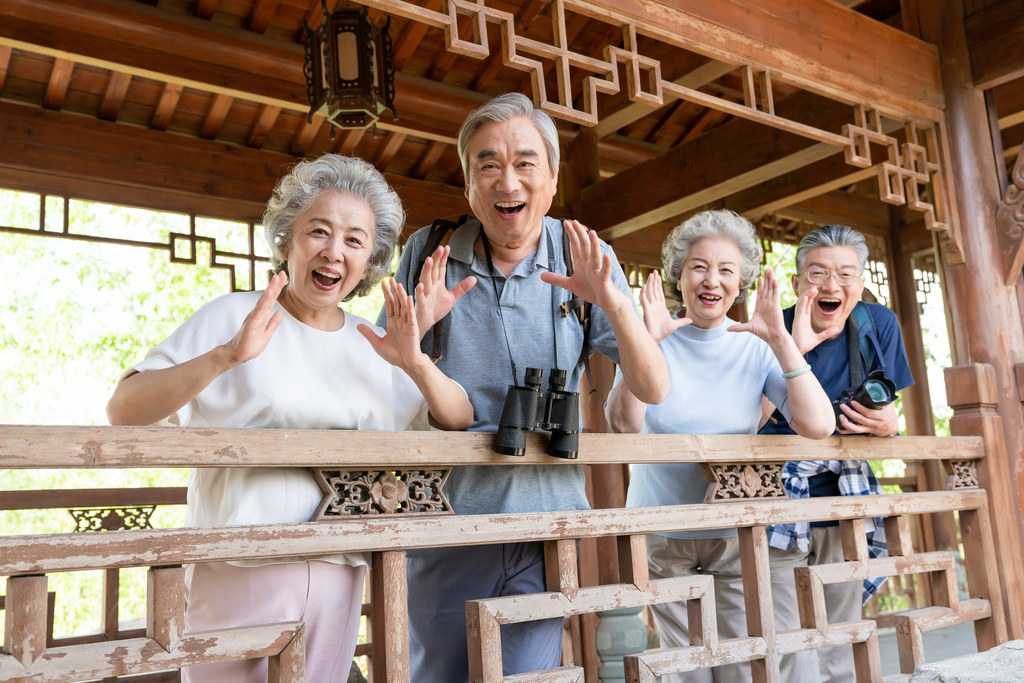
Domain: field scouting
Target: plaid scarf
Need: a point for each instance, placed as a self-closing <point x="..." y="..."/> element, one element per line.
<point x="855" y="479"/>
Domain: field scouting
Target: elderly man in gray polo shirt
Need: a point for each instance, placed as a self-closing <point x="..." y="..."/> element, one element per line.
<point x="510" y="155"/>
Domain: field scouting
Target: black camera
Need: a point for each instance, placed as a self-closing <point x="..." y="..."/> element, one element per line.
<point x="528" y="408"/>
<point x="875" y="392"/>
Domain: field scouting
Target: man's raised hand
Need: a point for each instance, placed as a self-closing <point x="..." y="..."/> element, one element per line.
<point x="433" y="300"/>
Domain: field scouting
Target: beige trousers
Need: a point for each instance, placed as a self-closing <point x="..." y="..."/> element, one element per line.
<point x="326" y="597"/>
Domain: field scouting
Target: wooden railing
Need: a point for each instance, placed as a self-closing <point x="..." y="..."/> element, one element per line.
<point x="27" y="559"/>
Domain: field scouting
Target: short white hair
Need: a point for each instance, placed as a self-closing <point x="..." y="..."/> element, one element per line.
<point x="718" y="223"/>
<point x="502" y="109"/>
<point x="832" y="236"/>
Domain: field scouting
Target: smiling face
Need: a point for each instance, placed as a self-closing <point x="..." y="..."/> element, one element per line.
<point x="710" y="280"/>
<point x="833" y="303"/>
<point x="327" y="254"/>
<point x="510" y="183"/>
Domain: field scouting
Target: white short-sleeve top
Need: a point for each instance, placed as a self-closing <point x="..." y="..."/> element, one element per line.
<point x="304" y="379"/>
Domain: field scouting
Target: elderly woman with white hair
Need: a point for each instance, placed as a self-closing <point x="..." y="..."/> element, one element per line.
<point x="290" y="357"/>
<point x="719" y="370"/>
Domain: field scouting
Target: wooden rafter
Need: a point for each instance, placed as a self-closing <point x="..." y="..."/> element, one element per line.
<point x="5" y="60"/>
<point x="215" y="115"/>
<point x="696" y="127"/>
<point x="206" y="8"/>
<point x="670" y="113"/>
<point x="57" y="88"/>
<point x="262" y="12"/>
<point x="166" y="105"/>
<point x="348" y="141"/>
<point x="412" y="36"/>
<point x="315" y="15"/>
<point x="445" y="60"/>
<point x="428" y="160"/>
<point x="388" y="150"/>
<point x="487" y="72"/>
<point x="265" y="119"/>
<point x="307" y="133"/>
<point x="114" y="95"/>
<point x="994" y="37"/>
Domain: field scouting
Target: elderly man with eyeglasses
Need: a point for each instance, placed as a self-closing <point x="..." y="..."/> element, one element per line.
<point x="848" y="340"/>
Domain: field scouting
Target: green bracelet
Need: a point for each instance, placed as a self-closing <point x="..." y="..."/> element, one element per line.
<point x="797" y="372"/>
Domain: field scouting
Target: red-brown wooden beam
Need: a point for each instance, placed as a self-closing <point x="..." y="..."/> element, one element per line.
<point x="114" y="95"/>
<point x="487" y="72"/>
<point x="165" y="106"/>
<point x="348" y="140"/>
<point x="215" y="115"/>
<point x="390" y="148"/>
<point x="696" y="127"/>
<point x="994" y="39"/>
<point x="206" y="8"/>
<point x="412" y="36"/>
<point x="57" y="88"/>
<point x="96" y="160"/>
<point x="265" y="119"/>
<point x="262" y="12"/>
<point x="5" y="60"/>
<point x="445" y="60"/>
<point x="307" y="133"/>
<point x="429" y="159"/>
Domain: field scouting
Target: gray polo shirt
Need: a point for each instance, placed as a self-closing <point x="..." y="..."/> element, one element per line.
<point x="475" y="355"/>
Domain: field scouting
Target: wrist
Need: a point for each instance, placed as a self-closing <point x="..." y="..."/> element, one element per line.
<point x="223" y="359"/>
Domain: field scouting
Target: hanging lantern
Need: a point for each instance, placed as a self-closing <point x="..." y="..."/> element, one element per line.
<point x="349" y="69"/>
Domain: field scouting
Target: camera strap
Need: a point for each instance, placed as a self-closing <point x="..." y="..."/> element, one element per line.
<point x="853" y="346"/>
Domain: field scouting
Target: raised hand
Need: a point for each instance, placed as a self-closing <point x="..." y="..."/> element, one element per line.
<point x="400" y="345"/>
<point x="256" y="331"/>
<point x="767" y="321"/>
<point x="660" y="324"/>
<point x="592" y="273"/>
<point x="803" y="334"/>
<point x="433" y="301"/>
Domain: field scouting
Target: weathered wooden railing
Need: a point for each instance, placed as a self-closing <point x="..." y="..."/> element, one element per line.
<point x="741" y="464"/>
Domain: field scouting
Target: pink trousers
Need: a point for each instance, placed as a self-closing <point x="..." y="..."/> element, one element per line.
<point x="326" y="597"/>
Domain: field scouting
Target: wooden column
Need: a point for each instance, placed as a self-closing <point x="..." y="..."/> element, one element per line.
<point x="972" y="392"/>
<point x="390" y="618"/>
<point x="917" y="402"/>
<point x="986" y="316"/>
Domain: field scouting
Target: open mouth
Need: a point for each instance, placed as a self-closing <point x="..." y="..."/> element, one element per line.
<point x="709" y="299"/>
<point x="509" y="208"/>
<point x="829" y="305"/>
<point x="325" y="279"/>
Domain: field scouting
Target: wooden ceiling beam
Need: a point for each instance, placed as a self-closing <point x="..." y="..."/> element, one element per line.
<point x="489" y="70"/>
<point x="698" y="172"/>
<point x="206" y="8"/>
<point x="307" y="133"/>
<point x="103" y="161"/>
<point x="265" y="119"/>
<point x="262" y="12"/>
<point x="165" y="106"/>
<point x="994" y="39"/>
<point x="412" y="36"/>
<point x="5" y="60"/>
<point x="392" y="143"/>
<point x="314" y="17"/>
<point x="114" y="95"/>
<point x="215" y="115"/>
<point x="57" y="88"/>
<point x="696" y="127"/>
<point x="429" y="159"/>
<point x="1010" y="103"/>
<point x="349" y="140"/>
<point x="870" y="216"/>
<point x="446" y="60"/>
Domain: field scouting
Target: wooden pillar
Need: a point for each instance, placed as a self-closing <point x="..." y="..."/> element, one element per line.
<point x="972" y="392"/>
<point x="390" y="618"/>
<point x="986" y="315"/>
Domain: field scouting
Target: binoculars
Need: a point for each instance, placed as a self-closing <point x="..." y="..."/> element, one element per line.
<point x="875" y="392"/>
<point x="528" y="408"/>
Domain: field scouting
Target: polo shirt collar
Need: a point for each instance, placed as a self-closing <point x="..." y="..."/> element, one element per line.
<point x="464" y="238"/>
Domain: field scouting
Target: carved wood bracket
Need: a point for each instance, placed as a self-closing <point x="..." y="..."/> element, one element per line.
<point x="734" y="482"/>
<point x="1010" y="224"/>
<point x="355" y="493"/>
<point x="963" y="475"/>
<point x="112" y="519"/>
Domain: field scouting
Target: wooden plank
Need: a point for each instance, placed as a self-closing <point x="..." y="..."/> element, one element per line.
<point x="864" y="214"/>
<point x="429" y="159"/>
<point x="667" y="186"/>
<point x="307" y="133"/>
<point x="632" y="553"/>
<point x="984" y="573"/>
<point x="388" y="150"/>
<point x="165" y="605"/>
<point x="206" y="8"/>
<point x="143" y="655"/>
<point x="412" y="37"/>
<point x="41" y="447"/>
<point x="67" y="498"/>
<point x="73" y="552"/>
<point x="801" y="640"/>
<point x="682" y="659"/>
<point x="840" y="572"/>
<point x="560" y="567"/>
<point x="5" y="60"/>
<point x="25" y="619"/>
<point x="165" y="106"/>
<point x="867" y="661"/>
<point x="897" y="536"/>
<point x="262" y="12"/>
<point x="484" y="637"/>
<point x="57" y="88"/>
<point x="810" y="595"/>
<point x="992" y="35"/>
<point x="757" y="599"/>
<point x="265" y="120"/>
<point x="113" y="96"/>
<point x="348" y="140"/>
<point x="215" y="115"/>
<point x="290" y="665"/>
<point x="390" y="617"/>
<point x="855" y="542"/>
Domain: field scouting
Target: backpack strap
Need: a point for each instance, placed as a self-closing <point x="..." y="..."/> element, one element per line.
<point x="865" y="324"/>
<point x="581" y="308"/>
<point x="440" y="233"/>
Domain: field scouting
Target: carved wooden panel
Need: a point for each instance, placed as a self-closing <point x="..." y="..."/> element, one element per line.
<point x="733" y="482"/>
<point x="963" y="474"/>
<point x="1010" y="221"/>
<point x="113" y="518"/>
<point x="349" y="493"/>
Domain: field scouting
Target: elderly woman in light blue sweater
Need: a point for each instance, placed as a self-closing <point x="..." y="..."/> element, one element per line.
<point x="719" y="370"/>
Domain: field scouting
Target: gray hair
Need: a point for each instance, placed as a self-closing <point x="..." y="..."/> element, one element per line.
<point x="718" y="223"/>
<point x="504" y="108"/>
<point x="297" y="191"/>
<point x="832" y="236"/>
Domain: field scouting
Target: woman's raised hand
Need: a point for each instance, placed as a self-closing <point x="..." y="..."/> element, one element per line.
<point x="256" y="330"/>
<point x="433" y="300"/>
<point x="400" y="345"/>
<point x="592" y="272"/>
<point x="660" y="324"/>
<point x="767" y="321"/>
<point x="803" y="334"/>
